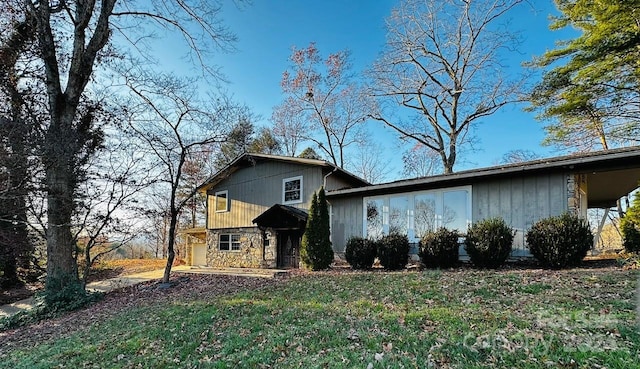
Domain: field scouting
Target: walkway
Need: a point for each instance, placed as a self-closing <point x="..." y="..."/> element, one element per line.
<point x="132" y="279"/>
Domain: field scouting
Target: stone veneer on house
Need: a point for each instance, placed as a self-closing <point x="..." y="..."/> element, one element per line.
<point x="251" y="253"/>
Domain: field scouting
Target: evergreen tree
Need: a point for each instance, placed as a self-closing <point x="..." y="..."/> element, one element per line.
<point x="631" y="226"/>
<point x="316" y="252"/>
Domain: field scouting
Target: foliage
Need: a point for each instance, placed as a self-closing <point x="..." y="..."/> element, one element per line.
<point x="443" y="64"/>
<point x="360" y="252"/>
<point x="464" y="318"/>
<point x="393" y="251"/>
<point x="316" y="252"/>
<point x="630" y="226"/>
<point x="630" y="235"/>
<point x="488" y="242"/>
<point x="243" y="139"/>
<point x="439" y="249"/>
<point x="591" y="96"/>
<point x="309" y="153"/>
<point x="52" y="303"/>
<point x="560" y="241"/>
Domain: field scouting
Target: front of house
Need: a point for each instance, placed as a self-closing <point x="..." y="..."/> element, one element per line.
<point x="257" y="206"/>
<point x="257" y="210"/>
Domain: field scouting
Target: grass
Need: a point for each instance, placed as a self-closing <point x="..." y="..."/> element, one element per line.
<point x="465" y="318"/>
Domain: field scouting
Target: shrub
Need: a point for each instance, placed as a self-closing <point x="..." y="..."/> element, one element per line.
<point x="360" y="252"/>
<point x="316" y="252"/>
<point x="393" y="251"/>
<point x="488" y="242"/>
<point x="439" y="249"/>
<point x="630" y="236"/>
<point x="560" y="241"/>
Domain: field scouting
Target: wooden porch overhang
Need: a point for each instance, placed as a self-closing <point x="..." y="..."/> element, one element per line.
<point x="198" y="232"/>
<point x="282" y="217"/>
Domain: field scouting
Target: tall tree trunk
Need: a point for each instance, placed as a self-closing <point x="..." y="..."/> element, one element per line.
<point x="170" y="246"/>
<point x="60" y="183"/>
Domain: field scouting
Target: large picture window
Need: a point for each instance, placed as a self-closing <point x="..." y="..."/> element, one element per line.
<point x="416" y="213"/>
<point x="292" y="190"/>
<point x="229" y="242"/>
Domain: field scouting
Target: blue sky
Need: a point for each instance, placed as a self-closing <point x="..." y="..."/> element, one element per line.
<point x="268" y="29"/>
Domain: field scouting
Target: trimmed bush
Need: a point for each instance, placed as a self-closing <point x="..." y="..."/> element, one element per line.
<point x="439" y="249"/>
<point x="360" y="253"/>
<point x="393" y="251"/>
<point x="561" y="241"/>
<point x="488" y="242"/>
<point x="630" y="236"/>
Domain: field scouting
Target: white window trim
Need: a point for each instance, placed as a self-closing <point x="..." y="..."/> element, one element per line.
<point x="300" y="200"/>
<point x="230" y="242"/>
<point x="215" y="201"/>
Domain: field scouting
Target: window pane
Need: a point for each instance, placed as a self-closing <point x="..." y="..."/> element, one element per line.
<point x="221" y="201"/>
<point x="425" y="213"/>
<point x="455" y="210"/>
<point x="291" y="195"/>
<point x="398" y="207"/>
<point x="374" y="219"/>
<point x="235" y="238"/>
<point x="292" y="185"/>
<point x="224" y="238"/>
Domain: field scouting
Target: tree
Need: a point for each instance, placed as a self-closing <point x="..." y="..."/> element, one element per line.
<point x="518" y="156"/>
<point x="243" y="139"/>
<point x="309" y="153"/>
<point x="591" y="96"/>
<point x="368" y="162"/>
<point x="420" y="161"/>
<point x="442" y="62"/>
<point x="290" y="126"/>
<point x="173" y="124"/>
<point x="320" y="91"/>
<point x="316" y="252"/>
<point x="69" y="57"/>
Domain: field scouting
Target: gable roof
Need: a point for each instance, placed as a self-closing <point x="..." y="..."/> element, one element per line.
<point x="611" y="175"/>
<point x="249" y="159"/>
<point x="282" y="217"/>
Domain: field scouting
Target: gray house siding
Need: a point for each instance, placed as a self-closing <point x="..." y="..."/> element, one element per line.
<point x="346" y="221"/>
<point x="520" y="201"/>
<point x="252" y="190"/>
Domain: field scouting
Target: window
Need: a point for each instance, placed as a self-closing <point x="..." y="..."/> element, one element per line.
<point x="222" y="201"/>
<point x="292" y="190"/>
<point x="229" y="242"/>
<point x="416" y="213"/>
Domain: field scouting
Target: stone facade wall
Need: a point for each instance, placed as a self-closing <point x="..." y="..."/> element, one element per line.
<point x="575" y="182"/>
<point x="250" y="255"/>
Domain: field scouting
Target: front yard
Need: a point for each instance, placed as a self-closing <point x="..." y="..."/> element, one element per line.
<point x="459" y="318"/>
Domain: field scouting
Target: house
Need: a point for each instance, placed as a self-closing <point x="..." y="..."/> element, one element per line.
<point x="256" y="206"/>
<point x="520" y="193"/>
<point x="257" y="210"/>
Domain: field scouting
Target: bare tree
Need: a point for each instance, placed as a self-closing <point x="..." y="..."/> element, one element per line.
<point x="442" y="61"/>
<point x="420" y="161"/>
<point x="290" y="126"/>
<point x="173" y="123"/>
<point x="322" y="93"/>
<point x="518" y="156"/>
<point x="73" y="39"/>
<point x="368" y="162"/>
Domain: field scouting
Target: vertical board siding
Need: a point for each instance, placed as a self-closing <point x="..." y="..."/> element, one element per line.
<point x="520" y="202"/>
<point x="252" y="190"/>
<point x="346" y="221"/>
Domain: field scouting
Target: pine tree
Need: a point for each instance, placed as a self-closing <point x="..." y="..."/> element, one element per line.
<point x="316" y="252"/>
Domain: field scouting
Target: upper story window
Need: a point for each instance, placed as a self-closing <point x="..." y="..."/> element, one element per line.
<point x="292" y="190"/>
<point x="222" y="201"/>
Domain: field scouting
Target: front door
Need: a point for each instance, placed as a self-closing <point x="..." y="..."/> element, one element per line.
<point x="288" y="249"/>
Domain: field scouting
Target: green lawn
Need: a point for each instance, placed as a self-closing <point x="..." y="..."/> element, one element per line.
<point x="464" y="318"/>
